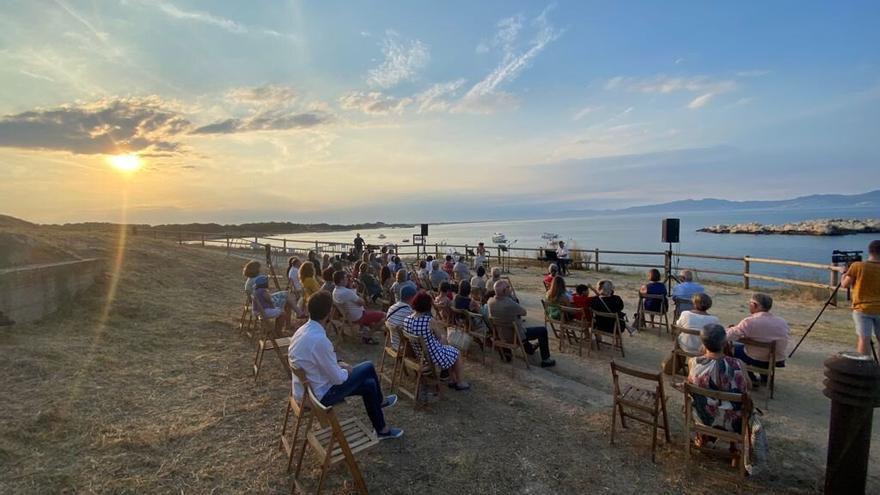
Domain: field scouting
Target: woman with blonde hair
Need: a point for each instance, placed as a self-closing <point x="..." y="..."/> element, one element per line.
<point x="557" y="296"/>
<point x="307" y="279"/>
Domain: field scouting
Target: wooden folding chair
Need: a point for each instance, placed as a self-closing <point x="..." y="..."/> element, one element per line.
<point x="642" y="316"/>
<point x="416" y="360"/>
<point x="246" y="323"/>
<point x="269" y="339"/>
<point x="575" y="328"/>
<point x="336" y="442"/>
<point x="616" y="335"/>
<point x="443" y="314"/>
<point x="391" y="351"/>
<point x="480" y="331"/>
<point x="301" y="411"/>
<point x="743" y="438"/>
<point x="553" y="324"/>
<point x="770" y="371"/>
<point x="505" y="335"/>
<point x="644" y="405"/>
<point x="680" y="356"/>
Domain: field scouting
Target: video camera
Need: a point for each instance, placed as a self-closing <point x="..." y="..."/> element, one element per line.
<point x="846" y="257"/>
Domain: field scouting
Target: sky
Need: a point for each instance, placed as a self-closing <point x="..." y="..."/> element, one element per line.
<point x="428" y="111"/>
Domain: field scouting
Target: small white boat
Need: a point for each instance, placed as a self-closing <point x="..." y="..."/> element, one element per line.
<point x="499" y="238"/>
<point x="549" y="236"/>
<point x="381" y="236"/>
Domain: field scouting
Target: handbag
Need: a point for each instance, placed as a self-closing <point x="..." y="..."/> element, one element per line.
<point x="458" y="339"/>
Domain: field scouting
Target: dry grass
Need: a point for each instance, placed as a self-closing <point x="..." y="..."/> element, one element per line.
<point x="159" y="398"/>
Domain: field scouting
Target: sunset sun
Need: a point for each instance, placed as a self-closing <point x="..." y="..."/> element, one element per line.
<point x="125" y="163"/>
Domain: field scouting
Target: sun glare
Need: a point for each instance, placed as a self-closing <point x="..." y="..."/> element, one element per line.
<point x="125" y="163"/>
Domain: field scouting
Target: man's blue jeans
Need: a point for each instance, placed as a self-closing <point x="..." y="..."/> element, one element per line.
<point x="361" y="381"/>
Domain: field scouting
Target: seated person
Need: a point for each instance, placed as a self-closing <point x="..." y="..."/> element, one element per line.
<point x="264" y="305"/>
<point x="333" y="380"/>
<point x="463" y="299"/>
<point x="763" y="327"/>
<point x="495" y="278"/>
<point x="461" y="270"/>
<point x="307" y="278"/>
<point x="353" y="307"/>
<point x="608" y="302"/>
<point x="437" y="276"/>
<point x="372" y="287"/>
<point x="482" y="256"/>
<point x="423" y="271"/>
<point x="582" y="299"/>
<point x="400" y="310"/>
<point x="293" y="264"/>
<point x="687" y="287"/>
<point x="478" y="281"/>
<point x="445" y="357"/>
<point x="401" y="281"/>
<point x="695" y="319"/>
<point x="548" y="279"/>
<point x="386" y="277"/>
<point x="716" y="371"/>
<point x="557" y="296"/>
<point x="250" y="271"/>
<point x="327" y="275"/>
<point x="504" y="308"/>
<point x="448" y="266"/>
<point x="654" y="287"/>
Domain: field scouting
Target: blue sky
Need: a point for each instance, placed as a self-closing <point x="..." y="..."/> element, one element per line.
<point x="356" y="111"/>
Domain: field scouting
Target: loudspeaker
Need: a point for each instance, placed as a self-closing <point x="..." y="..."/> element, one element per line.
<point x="424" y="229"/>
<point x="670" y="229"/>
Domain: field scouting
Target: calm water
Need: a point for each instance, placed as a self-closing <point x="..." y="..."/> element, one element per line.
<point x="641" y="232"/>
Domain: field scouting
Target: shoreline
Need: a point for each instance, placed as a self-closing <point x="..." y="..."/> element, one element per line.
<point x="820" y="228"/>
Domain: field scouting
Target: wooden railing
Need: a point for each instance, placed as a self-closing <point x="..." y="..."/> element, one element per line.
<point x="588" y="259"/>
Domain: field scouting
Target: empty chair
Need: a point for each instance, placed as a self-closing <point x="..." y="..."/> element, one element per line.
<point x="645" y="405"/>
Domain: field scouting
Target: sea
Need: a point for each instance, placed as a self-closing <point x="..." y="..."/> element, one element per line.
<point x="642" y="232"/>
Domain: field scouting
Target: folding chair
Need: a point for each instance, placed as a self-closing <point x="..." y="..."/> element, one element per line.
<point x="336" y="442"/>
<point x="681" y="304"/>
<point x="480" y="332"/>
<point x="246" y="323"/>
<point x="575" y="329"/>
<point x="505" y="335"/>
<point x="416" y="359"/>
<point x="616" y="335"/>
<point x="680" y="356"/>
<point x="553" y="324"/>
<point x="743" y="438"/>
<point x="642" y="321"/>
<point x="269" y="339"/>
<point x="301" y="411"/>
<point x="639" y="404"/>
<point x="391" y="350"/>
<point x="770" y="371"/>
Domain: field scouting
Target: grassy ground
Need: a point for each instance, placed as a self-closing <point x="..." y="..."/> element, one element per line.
<point x="154" y="394"/>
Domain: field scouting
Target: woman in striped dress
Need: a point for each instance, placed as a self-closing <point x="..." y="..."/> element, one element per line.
<point x="446" y="357"/>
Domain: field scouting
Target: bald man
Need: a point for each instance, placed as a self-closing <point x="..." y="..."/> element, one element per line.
<point x="503" y="307"/>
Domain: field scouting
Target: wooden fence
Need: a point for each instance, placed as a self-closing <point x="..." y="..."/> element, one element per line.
<point x="588" y="259"/>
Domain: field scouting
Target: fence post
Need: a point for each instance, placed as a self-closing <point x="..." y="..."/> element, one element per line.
<point x="746" y="272"/>
<point x="179" y="238"/>
<point x="284" y="244"/>
<point x="256" y="240"/>
<point x="228" y="245"/>
<point x="667" y="269"/>
<point x="203" y="240"/>
<point x="436" y="250"/>
<point x="596" y="252"/>
<point x="316" y="247"/>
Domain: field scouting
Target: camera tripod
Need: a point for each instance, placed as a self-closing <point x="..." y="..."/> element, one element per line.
<point x="831" y="298"/>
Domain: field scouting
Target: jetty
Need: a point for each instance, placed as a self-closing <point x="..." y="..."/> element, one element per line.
<point x="823" y="227"/>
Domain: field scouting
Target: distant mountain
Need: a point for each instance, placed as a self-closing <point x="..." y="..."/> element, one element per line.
<point x="865" y="200"/>
<point x="8" y="221"/>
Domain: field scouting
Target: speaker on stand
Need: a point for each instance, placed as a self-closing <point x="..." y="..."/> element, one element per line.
<point x="669" y="233"/>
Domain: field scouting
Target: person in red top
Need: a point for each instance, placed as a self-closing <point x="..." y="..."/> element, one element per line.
<point x="548" y="279"/>
<point x="581" y="299"/>
<point x="448" y="266"/>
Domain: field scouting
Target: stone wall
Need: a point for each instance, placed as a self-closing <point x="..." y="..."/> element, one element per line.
<point x="31" y="292"/>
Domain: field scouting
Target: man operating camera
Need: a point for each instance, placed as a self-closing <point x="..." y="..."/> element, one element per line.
<point x="864" y="279"/>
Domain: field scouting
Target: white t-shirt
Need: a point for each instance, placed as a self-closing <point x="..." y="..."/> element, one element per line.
<point x="347" y="299"/>
<point x="293" y="276"/>
<point x="562" y="253"/>
<point x="694" y="321"/>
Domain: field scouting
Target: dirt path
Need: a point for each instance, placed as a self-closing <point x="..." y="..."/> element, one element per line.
<point x="158" y="397"/>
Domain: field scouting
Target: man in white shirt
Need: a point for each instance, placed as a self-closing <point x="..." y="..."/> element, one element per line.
<point x="353" y="307"/>
<point x="333" y="380"/>
<point x="461" y="270"/>
<point x="562" y="258"/>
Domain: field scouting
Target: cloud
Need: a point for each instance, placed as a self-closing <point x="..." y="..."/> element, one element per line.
<point x="374" y="102"/>
<point x="275" y="120"/>
<point x="664" y="84"/>
<point x="485" y="96"/>
<point x="269" y="94"/>
<point x="108" y="126"/>
<point x="403" y="61"/>
<point x="583" y="112"/>
<point x="434" y="99"/>
<point x="700" y="101"/>
<point x="223" y="23"/>
<point x="753" y="73"/>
